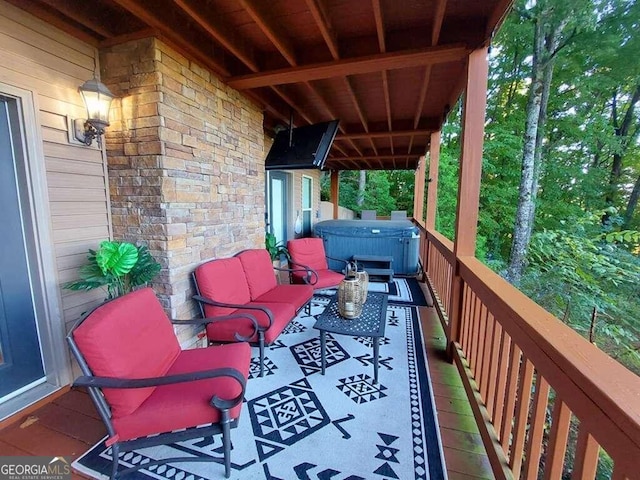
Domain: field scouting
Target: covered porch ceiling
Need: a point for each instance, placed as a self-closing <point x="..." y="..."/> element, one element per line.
<point x="389" y="70"/>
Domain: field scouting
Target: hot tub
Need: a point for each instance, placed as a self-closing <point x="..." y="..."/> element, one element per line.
<point x="399" y="239"/>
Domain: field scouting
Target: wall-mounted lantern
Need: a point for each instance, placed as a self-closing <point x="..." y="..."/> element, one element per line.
<point x="97" y="99"/>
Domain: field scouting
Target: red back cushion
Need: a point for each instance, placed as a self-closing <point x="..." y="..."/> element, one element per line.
<point x="309" y="252"/>
<point x="258" y="270"/>
<point x="129" y="337"/>
<point x="223" y="280"/>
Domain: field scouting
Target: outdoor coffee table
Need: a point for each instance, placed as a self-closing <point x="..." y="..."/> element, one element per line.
<point x="370" y="323"/>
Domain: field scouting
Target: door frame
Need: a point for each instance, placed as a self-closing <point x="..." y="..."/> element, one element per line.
<point x="302" y="207"/>
<point x="34" y="196"/>
<point x="269" y="201"/>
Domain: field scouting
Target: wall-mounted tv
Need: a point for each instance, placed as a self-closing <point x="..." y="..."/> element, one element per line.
<point x="302" y="147"/>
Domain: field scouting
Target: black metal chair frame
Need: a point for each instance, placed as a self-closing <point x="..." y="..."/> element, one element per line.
<point x="94" y="384"/>
<point x="260" y="329"/>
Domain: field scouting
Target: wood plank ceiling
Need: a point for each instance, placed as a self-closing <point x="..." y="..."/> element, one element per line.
<point x="389" y="70"/>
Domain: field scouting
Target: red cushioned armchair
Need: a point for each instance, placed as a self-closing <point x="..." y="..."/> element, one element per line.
<point x="146" y="389"/>
<point x="246" y="283"/>
<point x="309" y="263"/>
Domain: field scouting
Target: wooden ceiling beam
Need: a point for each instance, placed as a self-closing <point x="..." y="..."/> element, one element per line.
<point x="271" y="30"/>
<point x="351" y="66"/>
<point x="377" y="157"/>
<point x="438" y="18"/>
<point x="173" y="37"/>
<point x="222" y="35"/>
<point x="397" y="133"/>
<point x="319" y="14"/>
<point x="77" y="16"/>
<point x="500" y="12"/>
<point x="128" y="37"/>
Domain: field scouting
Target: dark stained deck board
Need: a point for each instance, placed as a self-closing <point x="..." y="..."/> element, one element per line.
<point x="70" y="424"/>
<point x="464" y="451"/>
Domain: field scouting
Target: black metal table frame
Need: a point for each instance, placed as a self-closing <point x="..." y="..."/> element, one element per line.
<point x="371" y="323"/>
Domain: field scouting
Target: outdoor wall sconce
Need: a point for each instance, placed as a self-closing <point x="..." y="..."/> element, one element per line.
<point x="97" y="99"/>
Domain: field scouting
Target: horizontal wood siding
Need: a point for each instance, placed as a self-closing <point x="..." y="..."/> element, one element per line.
<point x="37" y="57"/>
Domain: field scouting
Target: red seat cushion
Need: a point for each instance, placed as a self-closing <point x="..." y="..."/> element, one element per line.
<point x="129" y="337"/>
<point x="258" y="270"/>
<point x="223" y="280"/>
<point x="183" y="405"/>
<point x="224" y="331"/>
<point x="327" y="279"/>
<point x="297" y="295"/>
<point x="309" y="252"/>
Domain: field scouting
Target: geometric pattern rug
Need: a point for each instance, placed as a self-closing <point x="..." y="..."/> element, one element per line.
<point x="297" y="423"/>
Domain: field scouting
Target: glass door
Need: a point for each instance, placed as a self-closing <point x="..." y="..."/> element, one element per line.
<point x="278" y="209"/>
<point x="20" y="353"/>
<point x="307" y="205"/>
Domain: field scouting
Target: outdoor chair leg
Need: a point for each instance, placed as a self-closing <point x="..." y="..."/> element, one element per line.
<point x="226" y="442"/>
<point x="261" y="340"/>
<point x="115" y="453"/>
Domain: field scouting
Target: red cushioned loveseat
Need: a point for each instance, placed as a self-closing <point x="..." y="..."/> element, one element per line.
<point x="246" y="283"/>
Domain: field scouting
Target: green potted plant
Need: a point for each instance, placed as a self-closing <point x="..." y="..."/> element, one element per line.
<point x="276" y="249"/>
<point x="118" y="266"/>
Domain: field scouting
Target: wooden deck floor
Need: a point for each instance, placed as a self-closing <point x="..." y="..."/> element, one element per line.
<point x="69" y="425"/>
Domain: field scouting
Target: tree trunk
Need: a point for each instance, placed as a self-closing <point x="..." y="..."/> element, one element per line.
<point x="546" y="45"/>
<point x="631" y="204"/>
<point x="362" y="185"/>
<point x="622" y="132"/>
<point x="521" y="232"/>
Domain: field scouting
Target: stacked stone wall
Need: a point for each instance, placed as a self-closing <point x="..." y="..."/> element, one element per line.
<point x="186" y="164"/>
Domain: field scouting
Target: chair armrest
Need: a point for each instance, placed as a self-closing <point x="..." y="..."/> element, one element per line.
<point x="113" y="382"/>
<point x="207" y="321"/>
<point x="267" y="312"/>
<point x="346" y="262"/>
<point x="310" y="272"/>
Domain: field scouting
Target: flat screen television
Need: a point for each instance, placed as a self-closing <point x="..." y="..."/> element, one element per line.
<point x="302" y="147"/>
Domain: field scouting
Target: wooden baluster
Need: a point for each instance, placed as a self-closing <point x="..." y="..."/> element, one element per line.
<point x="501" y="384"/>
<point x="493" y="370"/>
<point x="482" y="345"/>
<point x="521" y="416"/>
<point x="587" y="451"/>
<point x="560" y="421"/>
<point x="474" y="333"/>
<point x="536" y="428"/>
<point x="510" y="397"/>
<point x="466" y="319"/>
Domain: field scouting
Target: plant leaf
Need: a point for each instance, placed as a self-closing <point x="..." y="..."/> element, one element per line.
<point x="116" y="258"/>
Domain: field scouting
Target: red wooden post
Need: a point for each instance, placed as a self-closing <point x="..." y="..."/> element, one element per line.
<point x="475" y="103"/>
<point x="432" y="193"/>
<point x="335" y="190"/>
<point x="418" y="191"/>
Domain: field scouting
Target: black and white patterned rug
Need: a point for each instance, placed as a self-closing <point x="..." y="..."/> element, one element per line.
<point x="298" y="424"/>
<point x="400" y="290"/>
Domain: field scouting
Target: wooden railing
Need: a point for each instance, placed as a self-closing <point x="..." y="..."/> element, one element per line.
<point x="545" y="399"/>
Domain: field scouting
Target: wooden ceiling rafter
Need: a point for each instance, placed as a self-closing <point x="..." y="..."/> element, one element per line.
<point x="270" y="29"/>
<point x="438" y="19"/>
<point x="171" y="36"/>
<point x="382" y="45"/>
<point x="225" y="38"/>
<point x="78" y="17"/>
<point x="378" y="157"/>
<point x="351" y="66"/>
<point x="321" y="17"/>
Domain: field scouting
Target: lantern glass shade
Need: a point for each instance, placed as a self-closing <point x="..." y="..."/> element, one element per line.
<point x="97" y="99"/>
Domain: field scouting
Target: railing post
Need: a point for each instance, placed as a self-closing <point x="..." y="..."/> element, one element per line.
<point x="475" y="103"/>
<point x="432" y="193"/>
<point x="335" y="191"/>
<point x="418" y="191"/>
